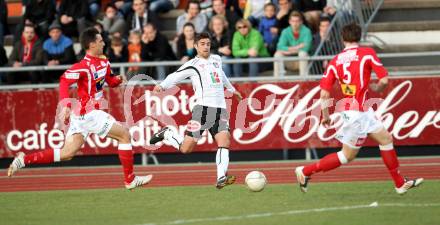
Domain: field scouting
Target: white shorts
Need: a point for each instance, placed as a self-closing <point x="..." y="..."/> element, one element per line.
<point x="356" y="126"/>
<point x="96" y="121"/>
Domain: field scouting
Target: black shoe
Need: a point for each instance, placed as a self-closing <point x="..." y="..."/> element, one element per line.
<point x="159" y="136"/>
<point x="225" y="181"/>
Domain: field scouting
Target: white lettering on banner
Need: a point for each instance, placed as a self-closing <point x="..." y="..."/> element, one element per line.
<point x="9" y="140"/>
<point x="141" y="133"/>
<point x="170" y="105"/>
<point x="276" y="109"/>
<point x="55" y="138"/>
<point x="277" y="113"/>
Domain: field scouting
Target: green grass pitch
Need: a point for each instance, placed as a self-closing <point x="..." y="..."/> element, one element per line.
<point x="326" y="203"/>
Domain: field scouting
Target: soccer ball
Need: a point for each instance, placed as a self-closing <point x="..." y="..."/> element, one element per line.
<point x="256" y="181"/>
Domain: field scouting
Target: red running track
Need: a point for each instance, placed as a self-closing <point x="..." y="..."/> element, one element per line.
<point x="45" y="179"/>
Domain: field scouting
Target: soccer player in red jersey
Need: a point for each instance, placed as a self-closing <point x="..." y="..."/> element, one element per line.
<point x="85" y="115"/>
<point x="352" y="69"/>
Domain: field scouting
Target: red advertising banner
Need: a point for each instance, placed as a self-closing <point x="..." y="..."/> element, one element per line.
<point x="273" y="115"/>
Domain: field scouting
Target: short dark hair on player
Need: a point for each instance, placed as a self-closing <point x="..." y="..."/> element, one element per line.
<point x="88" y="36"/>
<point x="351" y="33"/>
<point x="201" y="36"/>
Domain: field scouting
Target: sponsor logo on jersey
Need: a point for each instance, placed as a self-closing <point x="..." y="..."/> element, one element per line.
<point x="71" y="75"/>
<point x="348" y="89"/>
<point x="214" y="77"/>
<point x="193" y="126"/>
<point x="216" y="65"/>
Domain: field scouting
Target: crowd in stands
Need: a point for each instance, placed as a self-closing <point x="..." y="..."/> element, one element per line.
<point x="132" y="31"/>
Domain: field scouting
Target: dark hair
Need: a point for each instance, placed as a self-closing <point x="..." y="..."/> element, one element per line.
<point x="270" y="4"/>
<point x="110" y="5"/>
<point x="351" y="33"/>
<point x="201" y="36"/>
<point x="88" y="36"/>
<point x="296" y="14"/>
<point x="152" y="25"/>
<point x="29" y="25"/>
<point x="325" y="18"/>
<point x="192" y="2"/>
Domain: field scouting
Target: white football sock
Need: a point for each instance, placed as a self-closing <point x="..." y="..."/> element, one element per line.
<point x="174" y="139"/>
<point x="222" y="161"/>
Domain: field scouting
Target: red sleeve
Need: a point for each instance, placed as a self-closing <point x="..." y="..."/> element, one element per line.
<point x="68" y="78"/>
<point x="377" y="66"/>
<point x="111" y="79"/>
<point x="329" y="77"/>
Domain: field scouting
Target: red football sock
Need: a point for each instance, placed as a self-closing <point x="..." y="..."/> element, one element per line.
<point x="329" y="162"/>
<point x="42" y="157"/>
<point x="389" y="158"/>
<point x="126" y="157"/>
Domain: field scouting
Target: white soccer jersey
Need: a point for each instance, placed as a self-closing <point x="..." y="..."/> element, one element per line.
<point x="208" y="80"/>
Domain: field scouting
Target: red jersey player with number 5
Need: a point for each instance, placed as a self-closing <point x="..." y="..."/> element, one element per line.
<point x="86" y="116"/>
<point x="352" y="69"/>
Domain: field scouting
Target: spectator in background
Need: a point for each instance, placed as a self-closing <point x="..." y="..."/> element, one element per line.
<point x="140" y="16"/>
<point x="247" y="43"/>
<point x="155" y="47"/>
<point x="72" y="16"/>
<point x="41" y="14"/>
<point x="185" y="43"/>
<point x="117" y="52"/>
<point x="124" y="7"/>
<point x="285" y="7"/>
<point x="236" y="6"/>
<point x="193" y="16"/>
<point x="94" y="8"/>
<point x="295" y="40"/>
<point x="312" y="11"/>
<point x="163" y="6"/>
<point x="57" y="50"/>
<point x="254" y="10"/>
<point x="26" y="52"/>
<point x="219" y="8"/>
<point x="346" y="7"/>
<point x="134" y="51"/>
<point x="268" y="28"/>
<point x="221" y="40"/>
<point x="113" y="23"/>
<point x="329" y="47"/>
<point x="3" y="20"/>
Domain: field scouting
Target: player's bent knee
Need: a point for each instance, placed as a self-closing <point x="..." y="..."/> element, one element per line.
<point x="388" y="138"/>
<point x="125" y="137"/>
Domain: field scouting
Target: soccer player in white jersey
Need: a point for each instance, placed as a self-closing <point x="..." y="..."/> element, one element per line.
<point x="87" y="117"/>
<point x="352" y="69"/>
<point x="209" y="112"/>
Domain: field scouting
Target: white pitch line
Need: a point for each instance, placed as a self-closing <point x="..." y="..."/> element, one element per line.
<point x="293" y="212"/>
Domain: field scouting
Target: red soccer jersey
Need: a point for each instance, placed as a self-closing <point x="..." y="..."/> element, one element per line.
<point x="352" y="68"/>
<point x="90" y="74"/>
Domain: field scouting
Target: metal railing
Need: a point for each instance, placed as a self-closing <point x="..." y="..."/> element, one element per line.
<point x="268" y="77"/>
<point x="362" y="12"/>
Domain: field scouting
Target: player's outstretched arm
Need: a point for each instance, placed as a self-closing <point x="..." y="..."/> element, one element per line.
<point x="71" y="76"/>
<point x="380" y="85"/>
<point x="325" y="103"/>
<point x="115" y="80"/>
<point x="229" y="86"/>
<point x="157" y="89"/>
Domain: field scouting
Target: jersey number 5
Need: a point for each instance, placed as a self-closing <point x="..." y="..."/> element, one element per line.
<point x="347" y="74"/>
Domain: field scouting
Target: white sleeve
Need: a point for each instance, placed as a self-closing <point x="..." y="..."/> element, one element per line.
<point x="174" y="78"/>
<point x="226" y="82"/>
